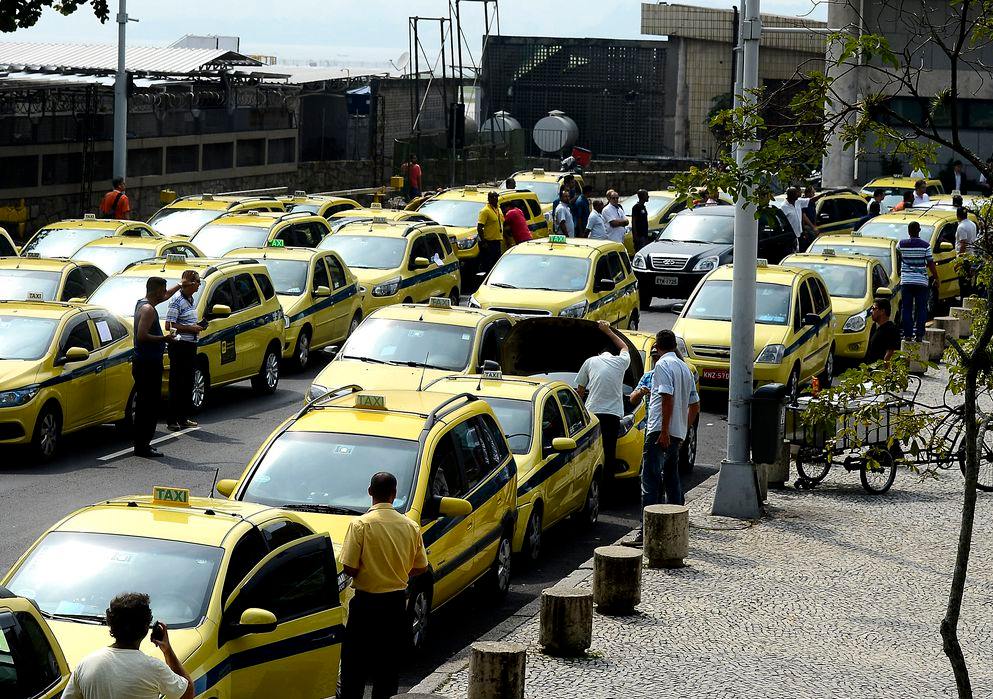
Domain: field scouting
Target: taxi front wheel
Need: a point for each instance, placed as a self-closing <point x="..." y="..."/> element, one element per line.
<point x="47" y="433"/>
<point x="419" y="608"/>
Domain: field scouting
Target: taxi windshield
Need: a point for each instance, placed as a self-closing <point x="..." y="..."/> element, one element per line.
<point x="23" y="337"/>
<point x="772" y="302"/>
<point x="700" y="228"/>
<point x="541" y="272"/>
<point x="460" y="213"/>
<point x="182" y="221"/>
<point x="308" y="208"/>
<point x="410" y="343"/>
<point x="331" y="469"/>
<point x="112" y="259"/>
<point x="894" y="230"/>
<point x="514" y="417"/>
<point x="653" y="206"/>
<point x="74" y="575"/>
<point x="62" y="242"/>
<point x="217" y="241"/>
<point x="121" y="294"/>
<point x="880" y="253"/>
<point x="547" y="192"/>
<point x="843" y="281"/>
<point x="366" y="251"/>
<point x="288" y="276"/>
<point x="29" y="285"/>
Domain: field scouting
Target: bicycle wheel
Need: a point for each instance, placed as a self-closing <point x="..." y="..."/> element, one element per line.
<point x="877" y="478"/>
<point x="985" y="444"/>
<point x="812" y="464"/>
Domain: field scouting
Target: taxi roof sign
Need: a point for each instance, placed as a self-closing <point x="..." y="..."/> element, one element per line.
<point x="828" y="252"/>
<point x="380" y="219"/>
<point x="173" y="497"/>
<point x="556" y="239"/>
<point x="277" y="243"/>
<point x="299" y="193"/>
<point x="370" y="401"/>
<point x="761" y="262"/>
<point x="439" y="302"/>
<point x="175" y="257"/>
<point x="496" y="374"/>
<point x="538" y="171"/>
<point x="89" y="217"/>
<point x="375" y="205"/>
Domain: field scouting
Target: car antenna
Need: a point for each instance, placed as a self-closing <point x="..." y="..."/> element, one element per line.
<point x="216" y="471"/>
<point x="424" y="370"/>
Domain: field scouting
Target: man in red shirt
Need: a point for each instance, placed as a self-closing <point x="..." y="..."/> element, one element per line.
<point x="115" y="203"/>
<point x="515" y="224"/>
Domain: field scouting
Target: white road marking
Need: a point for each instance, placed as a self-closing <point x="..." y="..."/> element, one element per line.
<point x="130" y="450"/>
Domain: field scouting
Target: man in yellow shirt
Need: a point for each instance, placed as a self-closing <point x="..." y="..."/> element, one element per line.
<point x="381" y="551"/>
<point x="490" y="230"/>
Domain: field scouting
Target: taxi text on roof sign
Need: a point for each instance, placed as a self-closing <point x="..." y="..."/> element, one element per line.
<point x="276" y="243"/>
<point x="176" y="497"/>
<point x="556" y="239"/>
<point x="496" y="374"/>
<point x="175" y="257"/>
<point x="370" y="402"/>
<point x="440" y="302"/>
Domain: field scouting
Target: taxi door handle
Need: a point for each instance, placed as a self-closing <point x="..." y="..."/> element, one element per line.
<point x="99" y="368"/>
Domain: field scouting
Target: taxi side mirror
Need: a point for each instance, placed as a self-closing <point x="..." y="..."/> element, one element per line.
<point x="219" y="310"/>
<point x="254" y="620"/>
<point x="419" y="263"/>
<point x="454" y="507"/>
<point x="563" y="444"/>
<point x="604" y="285"/>
<point x="322" y="291"/>
<point x="945" y="247"/>
<point x="226" y="486"/>
<point x="811" y="319"/>
<point x="76" y="354"/>
<point x="678" y="307"/>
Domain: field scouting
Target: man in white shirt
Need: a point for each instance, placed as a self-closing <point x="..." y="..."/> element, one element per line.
<point x="564" y="223"/>
<point x="920" y="193"/>
<point x="596" y="227"/>
<point x="600" y="384"/>
<point x="614" y="217"/>
<point x="965" y="244"/>
<point x="794" y="211"/>
<point x="121" y="670"/>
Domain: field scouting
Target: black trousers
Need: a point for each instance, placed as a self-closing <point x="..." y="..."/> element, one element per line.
<point x="609" y="425"/>
<point x="182" y="355"/>
<point x="377" y="638"/>
<point x="147" y="375"/>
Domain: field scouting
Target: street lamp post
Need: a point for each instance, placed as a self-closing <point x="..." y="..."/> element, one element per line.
<point x="121" y="96"/>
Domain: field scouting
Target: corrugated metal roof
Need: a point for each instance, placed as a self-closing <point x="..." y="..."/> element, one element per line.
<point x="89" y="57"/>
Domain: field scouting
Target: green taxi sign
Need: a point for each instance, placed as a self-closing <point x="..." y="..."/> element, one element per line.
<point x="370" y="402"/>
<point x="174" y="497"/>
<point x="556" y="239"/>
<point x="277" y="243"/>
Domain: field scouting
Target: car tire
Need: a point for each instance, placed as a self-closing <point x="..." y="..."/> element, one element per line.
<point x="793" y="384"/>
<point x="356" y="321"/>
<point x="267" y="380"/>
<point x="454" y="297"/>
<point x="827" y="376"/>
<point x="498" y="577"/>
<point x="126" y="423"/>
<point x="201" y="384"/>
<point x="634" y="320"/>
<point x="644" y="299"/>
<point x="531" y="551"/>
<point x="419" y="609"/>
<point x="588" y="516"/>
<point x="301" y="353"/>
<point x="687" y="450"/>
<point x="408" y="300"/>
<point x="47" y="434"/>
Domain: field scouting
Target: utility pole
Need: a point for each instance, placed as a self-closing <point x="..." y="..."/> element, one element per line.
<point x="737" y="492"/>
<point x="121" y="95"/>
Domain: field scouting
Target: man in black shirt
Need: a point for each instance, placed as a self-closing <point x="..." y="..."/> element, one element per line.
<point x="885" y="339"/>
<point x="639" y="221"/>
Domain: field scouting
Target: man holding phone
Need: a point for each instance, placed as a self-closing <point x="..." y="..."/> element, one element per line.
<point x="121" y="669"/>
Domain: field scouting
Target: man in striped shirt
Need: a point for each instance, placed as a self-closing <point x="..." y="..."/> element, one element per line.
<point x="182" y="317"/>
<point x="915" y="262"/>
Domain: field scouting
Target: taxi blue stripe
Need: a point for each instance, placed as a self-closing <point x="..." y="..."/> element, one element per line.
<point x="477" y="498"/>
<point x="807" y="334"/>
<point x="613" y="296"/>
<point x="239" y="328"/>
<point x="556" y="463"/>
<point x="337" y="297"/>
<point x="304" y="643"/>
<point x="120" y="358"/>
<point x="428" y="276"/>
<point x="468" y="554"/>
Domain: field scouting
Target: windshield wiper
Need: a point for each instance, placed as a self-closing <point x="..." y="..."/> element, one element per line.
<point x="323" y="509"/>
<point x="503" y="285"/>
<point x="368" y="359"/>
<point x="545" y="288"/>
<point x="95" y="619"/>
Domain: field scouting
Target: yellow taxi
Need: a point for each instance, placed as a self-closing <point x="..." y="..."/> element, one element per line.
<point x="65" y="238"/>
<point x="319" y="295"/>
<point x="46" y="279"/>
<point x="883" y="249"/>
<point x="556" y="446"/>
<point x="398" y="261"/>
<point x="115" y="253"/>
<point x="32" y="664"/>
<point x="320" y="204"/>
<point x="186" y="215"/>
<point x="838" y="211"/>
<point x="408" y="345"/>
<point x="64" y="367"/>
<point x="569" y="277"/>
<point x="245" y="322"/>
<point x="545" y="185"/>
<point x="254" y="229"/>
<point x="7" y="247"/>
<point x="455" y="477"/>
<point x="662" y="205"/>
<point x="938" y="227"/>
<point x="895" y="187"/>
<point x="458" y="210"/>
<point x="378" y="212"/>
<point x="794" y="338"/>
<point x="852" y="281"/>
<point x="251" y="595"/>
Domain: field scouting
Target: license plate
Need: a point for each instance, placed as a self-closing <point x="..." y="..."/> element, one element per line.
<point x="662" y="280"/>
<point x="717" y="374"/>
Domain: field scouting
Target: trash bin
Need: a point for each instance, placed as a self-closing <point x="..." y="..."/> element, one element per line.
<point x="768" y="422"/>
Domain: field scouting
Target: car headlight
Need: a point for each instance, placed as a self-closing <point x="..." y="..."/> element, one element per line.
<point x="20" y="396"/>
<point x="315" y="391"/>
<point x="625" y="425"/>
<point x="576" y="310"/>
<point x="639" y="262"/>
<point x="681" y="346"/>
<point x="707" y="264"/>
<point x="473" y="303"/>
<point x="855" y="324"/>
<point x="771" y="354"/>
<point x="387" y="288"/>
<point x="466" y="243"/>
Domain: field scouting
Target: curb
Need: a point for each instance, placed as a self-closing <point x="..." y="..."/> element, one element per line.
<point x="583" y="574"/>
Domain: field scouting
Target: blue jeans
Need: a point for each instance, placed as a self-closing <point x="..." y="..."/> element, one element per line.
<point x="914" y="311"/>
<point x="660" y="481"/>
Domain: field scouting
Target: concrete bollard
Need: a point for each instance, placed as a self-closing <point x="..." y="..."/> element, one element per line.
<point x="936" y="343"/>
<point x="667" y="535"/>
<point x="917" y="354"/>
<point x="779" y="472"/>
<point x="566" y="621"/>
<point x="616" y="579"/>
<point x="496" y="670"/>
<point x="973" y="303"/>
<point x="965" y="320"/>
<point x="950" y="324"/>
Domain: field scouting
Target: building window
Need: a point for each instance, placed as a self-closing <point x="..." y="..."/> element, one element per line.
<point x="61" y="168"/>
<point x="251" y="152"/>
<point x="145" y="161"/>
<point x="282" y="150"/>
<point x="19" y="171"/>
<point x="218" y="156"/>
<point x="182" y="159"/>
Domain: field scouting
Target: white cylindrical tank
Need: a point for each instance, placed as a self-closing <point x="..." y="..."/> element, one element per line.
<point x="498" y="126"/>
<point x="556" y="132"/>
<point x="470" y="125"/>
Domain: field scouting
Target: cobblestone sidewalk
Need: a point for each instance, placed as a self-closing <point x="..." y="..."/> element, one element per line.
<point x="834" y="593"/>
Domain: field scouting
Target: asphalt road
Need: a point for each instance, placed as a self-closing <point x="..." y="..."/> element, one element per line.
<point x="97" y="464"/>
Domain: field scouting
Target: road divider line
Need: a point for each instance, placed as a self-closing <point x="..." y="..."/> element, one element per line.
<point x="159" y="440"/>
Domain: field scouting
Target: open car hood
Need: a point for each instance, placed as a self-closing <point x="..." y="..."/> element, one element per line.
<point x="554" y="344"/>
